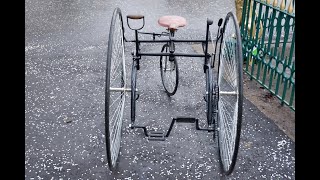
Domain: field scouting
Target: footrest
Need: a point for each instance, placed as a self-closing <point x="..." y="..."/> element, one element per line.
<point x="156" y="136"/>
<point x="185" y="120"/>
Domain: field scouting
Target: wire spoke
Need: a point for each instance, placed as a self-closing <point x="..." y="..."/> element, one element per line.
<point x="121" y="94"/>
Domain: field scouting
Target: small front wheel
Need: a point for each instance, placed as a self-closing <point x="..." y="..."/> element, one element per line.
<point x="169" y="72"/>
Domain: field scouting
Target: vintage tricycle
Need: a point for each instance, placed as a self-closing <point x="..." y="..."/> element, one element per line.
<point x="223" y="97"/>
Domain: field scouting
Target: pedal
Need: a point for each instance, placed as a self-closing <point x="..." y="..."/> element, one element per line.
<point x="156" y="136"/>
<point x="185" y="120"/>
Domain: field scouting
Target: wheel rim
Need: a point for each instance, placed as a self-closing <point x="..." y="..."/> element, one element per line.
<point x="169" y="73"/>
<point x="230" y="93"/>
<point x="115" y="99"/>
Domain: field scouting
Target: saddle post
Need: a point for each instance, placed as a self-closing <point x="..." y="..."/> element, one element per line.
<point x="171" y="44"/>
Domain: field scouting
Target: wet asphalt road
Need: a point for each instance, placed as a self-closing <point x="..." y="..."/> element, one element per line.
<point x="65" y="46"/>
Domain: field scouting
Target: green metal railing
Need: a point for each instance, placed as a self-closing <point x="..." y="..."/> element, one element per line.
<point x="268" y="39"/>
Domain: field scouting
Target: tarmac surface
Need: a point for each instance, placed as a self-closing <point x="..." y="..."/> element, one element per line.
<point x="65" y="53"/>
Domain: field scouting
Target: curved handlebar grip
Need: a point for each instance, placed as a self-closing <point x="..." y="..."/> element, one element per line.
<point x="220" y="22"/>
<point x="209" y="21"/>
<point x="135" y="17"/>
<point x="138" y="16"/>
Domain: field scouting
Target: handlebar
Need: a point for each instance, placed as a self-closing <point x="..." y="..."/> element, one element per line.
<point x="135" y="17"/>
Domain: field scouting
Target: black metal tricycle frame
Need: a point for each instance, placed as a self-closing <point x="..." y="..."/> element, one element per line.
<point x="225" y="127"/>
<point x="170" y="42"/>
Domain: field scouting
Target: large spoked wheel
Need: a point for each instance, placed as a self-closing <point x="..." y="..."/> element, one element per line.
<point x="230" y="93"/>
<point x="115" y="88"/>
<point x="169" y="72"/>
